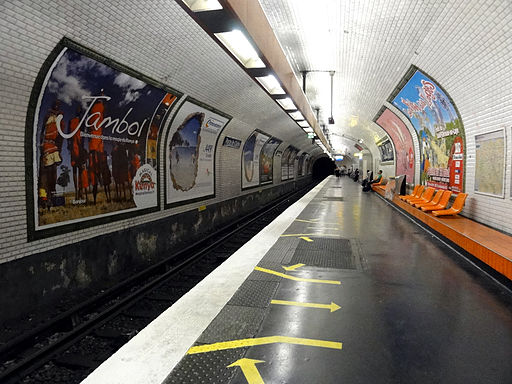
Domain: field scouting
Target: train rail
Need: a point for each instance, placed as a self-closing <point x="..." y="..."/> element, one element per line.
<point x="71" y="345"/>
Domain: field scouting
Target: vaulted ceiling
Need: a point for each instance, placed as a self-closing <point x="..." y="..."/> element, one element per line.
<point x="369" y="44"/>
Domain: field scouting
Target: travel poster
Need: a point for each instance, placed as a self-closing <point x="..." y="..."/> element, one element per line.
<point x="285" y="158"/>
<point x="95" y="131"/>
<point x="251" y="159"/>
<point x="267" y="160"/>
<point x="440" y="132"/>
<point x="386" y="151"/>
<point x="190" y="152"/>
<point x="490" y="163"/>
<point x="402" y="139"/>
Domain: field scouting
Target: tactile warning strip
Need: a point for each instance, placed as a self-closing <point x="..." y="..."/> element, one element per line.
<point x="233" y="323"/>
<point x="211" y="367"/>
<point x="254" y="293"/>
<point x="280" y="249"/>
<point x="325" y="252"/>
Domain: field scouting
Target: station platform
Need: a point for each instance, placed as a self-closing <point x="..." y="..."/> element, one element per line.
<point x="340" y="288"/>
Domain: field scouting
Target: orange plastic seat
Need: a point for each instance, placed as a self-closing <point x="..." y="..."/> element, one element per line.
<point x="428" y="194"/>
<point x="413" y="194"/>
<point x="441" y="205"/>
<point x="456" y="207"/>
<point x="435" y="200"/>
<point x="417" y="195"/>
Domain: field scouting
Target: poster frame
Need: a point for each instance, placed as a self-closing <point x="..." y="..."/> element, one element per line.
<point x="502" y="195"/>
<point x="377" y="117"/>
<point x="242" y="188"/>
<point x="402" y="83"/>
<point x="273" y="158"/>
<point x="37" y="234"/>
<point x="168" y="130"/>
<point x="380" y="142"/>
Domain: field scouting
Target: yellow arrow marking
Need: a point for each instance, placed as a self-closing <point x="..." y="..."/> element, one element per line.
<point x="306" y="239"/>
<point x="293" y="267"/>
<point x="249" y="370"/>
<point x="333" y="306"/>
<point x="296" y="278"/>
<point x="263" y="341"/>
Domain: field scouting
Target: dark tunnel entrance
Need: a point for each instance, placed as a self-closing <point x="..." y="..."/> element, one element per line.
<point x="322" y="168"/>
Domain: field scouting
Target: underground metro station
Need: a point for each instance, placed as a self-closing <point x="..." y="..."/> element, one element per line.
<point x="256" y="191"/>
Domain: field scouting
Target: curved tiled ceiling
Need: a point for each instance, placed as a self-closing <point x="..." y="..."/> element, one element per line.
<point x="369" y="44"/>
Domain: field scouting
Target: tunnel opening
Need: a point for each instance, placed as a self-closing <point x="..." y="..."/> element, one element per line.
<point x="322" y="168"/>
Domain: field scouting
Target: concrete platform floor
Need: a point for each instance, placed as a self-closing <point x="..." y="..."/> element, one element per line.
<point x="411" y="310"/>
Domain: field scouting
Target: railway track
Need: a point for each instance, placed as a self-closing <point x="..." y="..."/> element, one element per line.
<point x="70" y="346"/>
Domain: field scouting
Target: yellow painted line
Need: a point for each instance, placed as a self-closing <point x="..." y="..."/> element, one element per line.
<point x="271" y="272"/>
<point x="325" y="228"/>
<point x="293" y="267"/>
<point x="223" y="345"/>
<point x="306" y="239"/>
<point x="333" y="307"/>
<point x="301" y="234"/>
<point x="307" y="221"/>
<point x="249" y="370"/>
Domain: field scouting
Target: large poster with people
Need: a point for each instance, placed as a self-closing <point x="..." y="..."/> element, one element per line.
<point x="94" y="140"/>
<point x="267" y="160"/>
<point x="251" y="159"/>
<point x="190" y="152"/>
<point x="440" y="131"/>
<point x="402" y="139"/>
<point x="301" y="171"/>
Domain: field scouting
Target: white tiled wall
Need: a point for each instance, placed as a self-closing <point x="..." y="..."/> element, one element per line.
<point x="157" y="39"/>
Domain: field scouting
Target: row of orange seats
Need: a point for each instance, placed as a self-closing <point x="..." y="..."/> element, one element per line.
<point x="430" y="200"/>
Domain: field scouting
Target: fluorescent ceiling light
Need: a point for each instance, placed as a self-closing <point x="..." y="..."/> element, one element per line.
<point x="297" y="116"/>
<point x="287" y="103"/>
<point x="202" y="5"/>
<point x="309" y="130"/>
<point x="303" y="124"/>
<point x="271" y="84"/>
<point x="239" y="46"/>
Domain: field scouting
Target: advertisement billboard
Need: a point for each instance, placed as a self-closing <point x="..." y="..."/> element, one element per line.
<point x="402" y="139"/>
<point x="251" y="159"/>
<point x="386" y="150"/>
<point x="190" y="152"/>
<point x="440" y="131"/>
<point x="285" y="158"/>
<point x="92" y="133"/>
<point x="267" y="160"/>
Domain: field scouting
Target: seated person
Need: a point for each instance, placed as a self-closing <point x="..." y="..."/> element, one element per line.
<point x="377" y="179"/>
<point x="369" y="176"/>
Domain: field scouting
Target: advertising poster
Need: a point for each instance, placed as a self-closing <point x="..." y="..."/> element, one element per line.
<point x="190" y="152"/>
<point x="291" y="163"/>
<point x="490" y="163"/>
<point x="94" y="143"/>
<point x="267" y="160"/>
<point x="251" y="159"/>
<point x="302" y="164"/>
<point x="285" y="158"/>
<point x="386" y="150"/>
<point x="440" y="131"/>
<point x="401" y="137"/>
